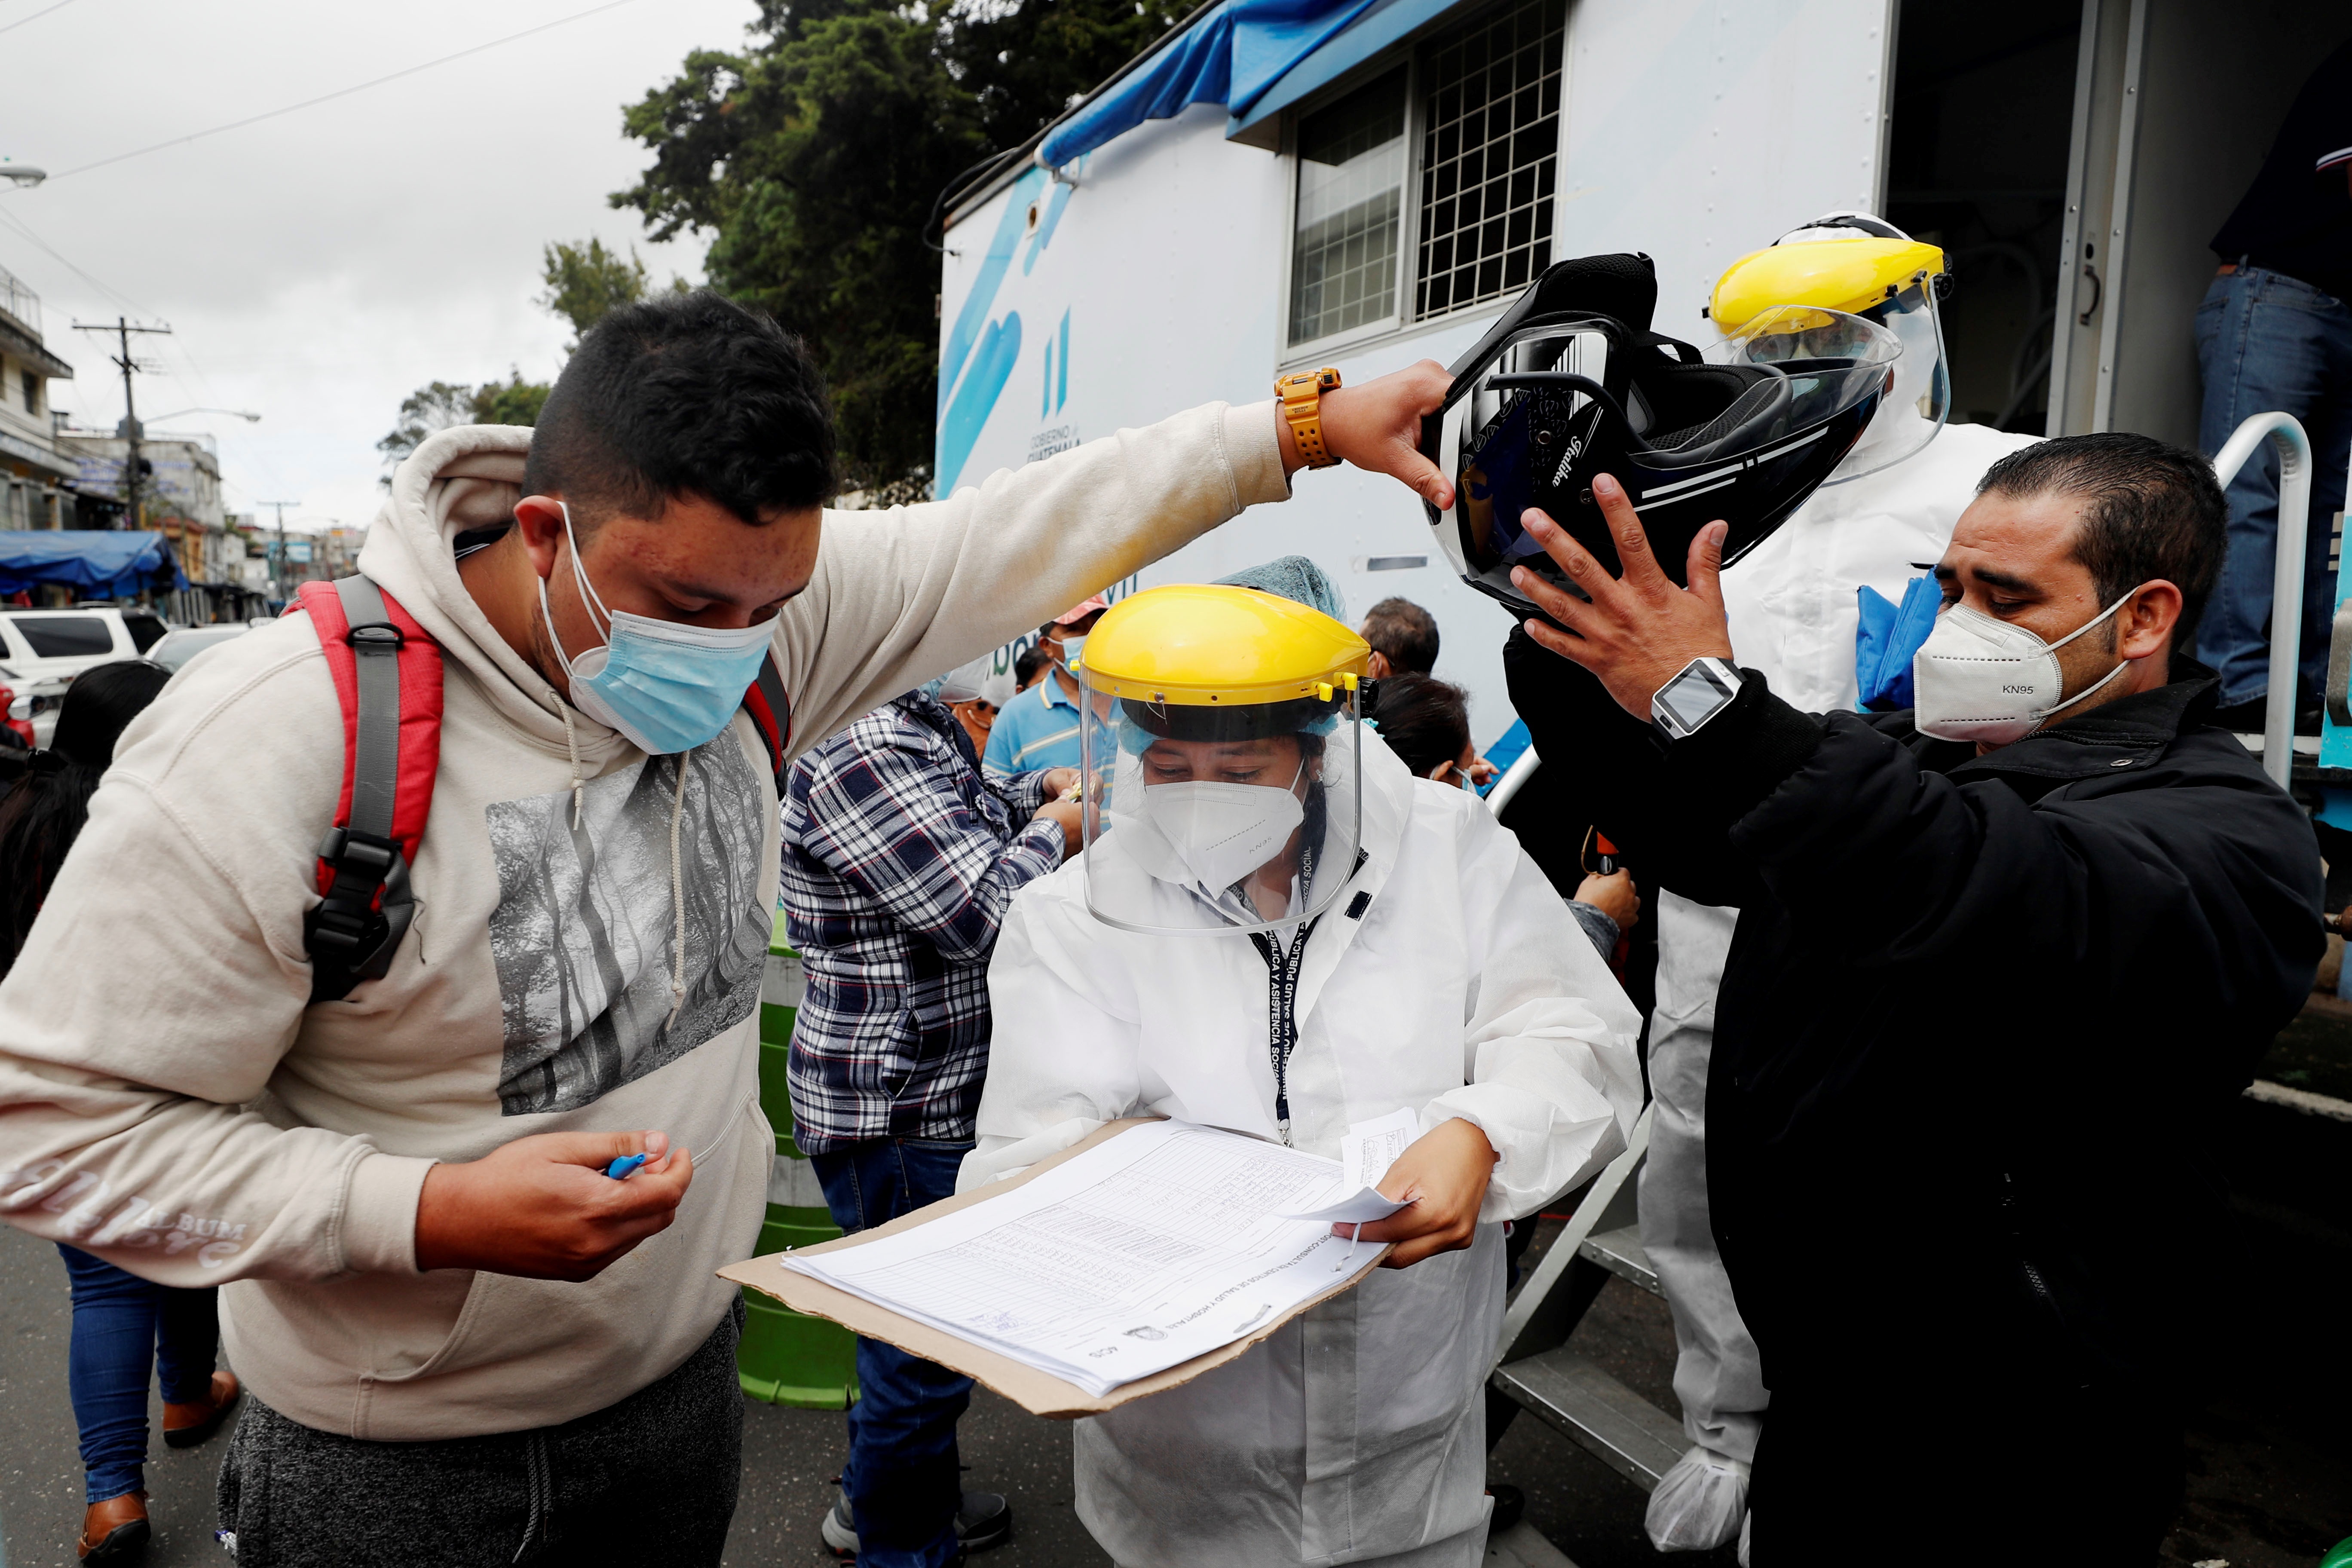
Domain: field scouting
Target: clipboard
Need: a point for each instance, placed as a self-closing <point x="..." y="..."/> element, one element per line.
<point x="1039" y="1393"/>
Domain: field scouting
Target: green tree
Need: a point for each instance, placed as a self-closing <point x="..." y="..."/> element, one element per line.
<point x="438" y="405"/>
<point x="513" y="401"/>
<point x="813" y="158"/>
<point x="587" y="283"/>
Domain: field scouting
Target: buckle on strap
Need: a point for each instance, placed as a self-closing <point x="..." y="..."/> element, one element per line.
<point x="376" y="636"/>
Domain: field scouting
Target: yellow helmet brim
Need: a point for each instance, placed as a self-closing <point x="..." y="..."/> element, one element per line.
<point x="1848" y="274"/>
<point x="1203" y="645"/>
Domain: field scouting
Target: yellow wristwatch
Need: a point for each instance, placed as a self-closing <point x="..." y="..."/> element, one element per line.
<point x="1302" y="408"/>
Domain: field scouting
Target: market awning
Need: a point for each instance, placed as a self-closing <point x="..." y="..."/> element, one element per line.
<point x="1232" y="56"/>
<point x="97" y="564"/>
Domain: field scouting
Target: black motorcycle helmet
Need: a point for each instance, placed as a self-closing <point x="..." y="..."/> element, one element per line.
<point x="1571" y="382"/>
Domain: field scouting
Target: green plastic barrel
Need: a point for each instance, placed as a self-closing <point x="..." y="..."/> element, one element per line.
<point x="2339" y="1556"/>
<point x="788" y="1357"/>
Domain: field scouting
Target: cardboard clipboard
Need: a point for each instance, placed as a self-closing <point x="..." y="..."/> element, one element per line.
<point x="1039" y="1393"/>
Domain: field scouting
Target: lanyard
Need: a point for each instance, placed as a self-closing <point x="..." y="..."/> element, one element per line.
<point x="1282" y="1008"/>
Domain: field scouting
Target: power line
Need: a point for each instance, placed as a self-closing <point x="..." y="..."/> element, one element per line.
<point x="21" y="226"/>
<point x="339" y="92"/>
<point x="35" y="17"/>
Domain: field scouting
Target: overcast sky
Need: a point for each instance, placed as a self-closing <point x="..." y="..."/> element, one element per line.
<point x="317" y="268"/>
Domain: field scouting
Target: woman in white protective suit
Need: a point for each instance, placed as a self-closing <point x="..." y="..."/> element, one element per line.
<point x="1276" y="929"/>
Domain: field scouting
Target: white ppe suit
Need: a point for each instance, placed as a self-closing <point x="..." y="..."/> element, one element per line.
<point x="1447" y="977"/>
<point x="1793" y="614"/>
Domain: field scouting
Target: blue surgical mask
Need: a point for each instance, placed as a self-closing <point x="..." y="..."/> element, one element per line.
<point x="668" y="687"/>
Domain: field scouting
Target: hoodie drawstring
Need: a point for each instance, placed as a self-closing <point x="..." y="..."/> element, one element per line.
<point x="571" y="745"/>
<point x="677" y="866"/>
<point x="677" y="896"/>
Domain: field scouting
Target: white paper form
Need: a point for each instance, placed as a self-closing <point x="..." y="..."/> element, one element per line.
<point x="1160" y="1245"/>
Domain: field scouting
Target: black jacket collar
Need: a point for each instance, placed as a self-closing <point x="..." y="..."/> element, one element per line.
<point x="2111" y="738"/>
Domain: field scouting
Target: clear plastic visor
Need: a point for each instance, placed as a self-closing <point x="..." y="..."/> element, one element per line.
<point x="1208" y="819"/>
<point x="1832" y="360"/>
<point x="1917" y="404"/>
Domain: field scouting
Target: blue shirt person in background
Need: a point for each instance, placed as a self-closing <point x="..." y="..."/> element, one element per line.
<point x="1039" y="729"/>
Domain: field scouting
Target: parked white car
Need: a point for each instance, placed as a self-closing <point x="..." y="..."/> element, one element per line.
<point x="183" y="643"/>
<point x="45" y="649"/>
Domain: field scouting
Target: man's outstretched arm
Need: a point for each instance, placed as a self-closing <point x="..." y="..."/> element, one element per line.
<point x="899" y="597"/>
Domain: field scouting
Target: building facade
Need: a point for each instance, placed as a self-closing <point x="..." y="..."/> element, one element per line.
<point x="38" y="479"/>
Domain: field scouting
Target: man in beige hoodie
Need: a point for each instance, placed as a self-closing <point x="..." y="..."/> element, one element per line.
<point x="464" y="1343"/>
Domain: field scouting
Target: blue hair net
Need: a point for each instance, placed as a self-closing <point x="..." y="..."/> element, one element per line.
<point x="1295" y="578"/>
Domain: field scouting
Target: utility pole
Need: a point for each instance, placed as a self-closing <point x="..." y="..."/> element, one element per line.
<point x="129" y="429"/>
<point x="278" y="554"/>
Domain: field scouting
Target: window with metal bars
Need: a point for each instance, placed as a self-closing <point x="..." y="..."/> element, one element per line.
<point x="1343" y="265"/>
<point x="1489" y="155"/>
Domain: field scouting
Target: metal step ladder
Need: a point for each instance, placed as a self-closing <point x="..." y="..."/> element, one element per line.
<point x="1540" y="1368"/>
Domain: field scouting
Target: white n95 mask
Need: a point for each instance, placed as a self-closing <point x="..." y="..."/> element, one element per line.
<point x="1982" y="679"/>
<point x="1223" y="832"/>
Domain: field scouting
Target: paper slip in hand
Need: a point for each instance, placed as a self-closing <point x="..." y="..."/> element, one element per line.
<point x="1364" y="1207"/>
<point x="1365" y="1155"/>
<point x="1372" y="1147"/>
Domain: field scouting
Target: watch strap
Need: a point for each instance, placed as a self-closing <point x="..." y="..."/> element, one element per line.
<point x="1301" y="394"/>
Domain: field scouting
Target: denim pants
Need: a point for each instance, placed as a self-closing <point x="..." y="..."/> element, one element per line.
<point x="903" y="1478"/>
<point x="2265" y="342"/>
<point x="122" y="1326"/>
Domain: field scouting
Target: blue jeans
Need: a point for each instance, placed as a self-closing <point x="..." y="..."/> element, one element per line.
<point x="121" y="1326"/>
<point x="903" y="1479"/>
<point x="2265" y="342"/>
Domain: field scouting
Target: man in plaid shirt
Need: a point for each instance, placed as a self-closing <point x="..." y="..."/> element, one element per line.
<point x="901" y="856"/>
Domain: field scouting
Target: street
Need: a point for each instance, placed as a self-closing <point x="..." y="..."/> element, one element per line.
<point x="2270" y="1480"/>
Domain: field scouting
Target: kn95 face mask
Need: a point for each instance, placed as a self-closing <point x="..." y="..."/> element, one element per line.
<point x="1223" y="832"/>
<point x="669" y="687"/>
<point x="1983" y="679"/>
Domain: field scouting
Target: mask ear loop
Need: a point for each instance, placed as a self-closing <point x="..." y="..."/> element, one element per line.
<point x="588" y="599"/>
<point x="2121" y="663"/>
<point x="588" y="595"/>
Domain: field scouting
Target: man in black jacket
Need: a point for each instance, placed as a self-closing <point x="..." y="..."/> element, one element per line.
<point x="1988" y="1004"/>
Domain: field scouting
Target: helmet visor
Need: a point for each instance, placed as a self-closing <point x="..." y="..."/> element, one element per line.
<point x="1920" y="400"/>
<point x="1208" y="818"/>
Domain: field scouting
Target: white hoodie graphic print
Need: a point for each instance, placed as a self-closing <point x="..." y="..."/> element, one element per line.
<point x="171" y="1101"/>
<point x="584" y="934"/>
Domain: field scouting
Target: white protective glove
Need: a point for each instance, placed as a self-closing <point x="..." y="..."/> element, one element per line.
<point x="1700" y="1504"/>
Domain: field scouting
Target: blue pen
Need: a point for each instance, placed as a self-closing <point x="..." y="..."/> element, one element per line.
<point x="624" y="1167"/>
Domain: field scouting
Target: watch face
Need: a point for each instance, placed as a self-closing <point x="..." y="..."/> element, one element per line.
<point x="1690" y="699"/>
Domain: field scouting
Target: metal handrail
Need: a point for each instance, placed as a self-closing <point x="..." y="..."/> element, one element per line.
<point x="2285" y="432"/>
<point x="1513" y="779"/>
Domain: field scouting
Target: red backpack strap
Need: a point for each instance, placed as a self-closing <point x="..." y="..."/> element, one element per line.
<point x="771" y="708"/>
<point x="387" y="675"/>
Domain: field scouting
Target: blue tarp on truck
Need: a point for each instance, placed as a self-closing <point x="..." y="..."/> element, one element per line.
<point x="96" y="563"/>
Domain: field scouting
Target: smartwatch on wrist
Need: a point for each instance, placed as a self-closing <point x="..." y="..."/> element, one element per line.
<point x="1697" y="693"/>
<point x="1301" y="394"/>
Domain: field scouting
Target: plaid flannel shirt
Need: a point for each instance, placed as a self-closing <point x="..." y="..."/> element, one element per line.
<point x="901" y="856"/>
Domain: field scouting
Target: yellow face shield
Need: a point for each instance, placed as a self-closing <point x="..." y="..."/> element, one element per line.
<point x="1222" y="759"/>
<point x="1887" y="279"/>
